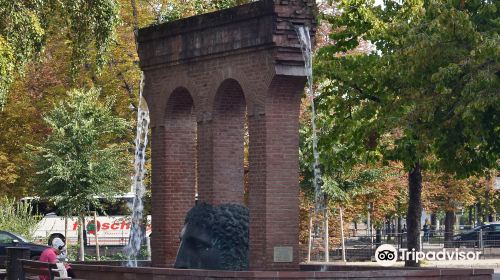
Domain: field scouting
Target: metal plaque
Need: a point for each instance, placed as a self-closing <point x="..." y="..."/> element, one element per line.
<point x="283" y="254"/>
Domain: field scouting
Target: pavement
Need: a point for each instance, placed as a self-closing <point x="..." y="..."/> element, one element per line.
<point x="484" y="263"/>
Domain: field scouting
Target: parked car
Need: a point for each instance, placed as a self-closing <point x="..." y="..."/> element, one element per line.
<point x="8" y="239"/>
<point x="490" y="236"/>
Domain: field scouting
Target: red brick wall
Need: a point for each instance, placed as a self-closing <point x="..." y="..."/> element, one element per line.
<point x="274" y="186"/>
<point x="228" y="120"/>
<point x="222" y="89"/>
<point x="174" y="162"/>
<point x="108" y="272"/>
<point x="227" y="67"/>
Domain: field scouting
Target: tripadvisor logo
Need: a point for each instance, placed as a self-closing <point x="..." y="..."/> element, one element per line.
<point x="387" y="255"/>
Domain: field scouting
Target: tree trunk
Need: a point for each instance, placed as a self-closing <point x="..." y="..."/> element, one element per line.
<point x="414" y="212"/>
<point x="369" y="224"/>
<point x="400" y="225"/>
<point x="81" y="256"/>
<point x="488" y="217"/>
<point x="433" y="224"/>
<point x="327" y="237"/>
<point x="97" y="253"/>
<point x="479" y="211"/>
<point x="342" y="238"/>
<point x="66" y="238"/>
<point x="449" y="222"/>
<point x="470" y="216"/>
<point x="388" y="229"/>
<point x="378" y="236"/>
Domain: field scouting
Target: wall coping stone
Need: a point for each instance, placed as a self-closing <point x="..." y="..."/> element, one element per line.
<point x="265" y="24"/>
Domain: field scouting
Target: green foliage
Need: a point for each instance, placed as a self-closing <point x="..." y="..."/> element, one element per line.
<point x="25" y="26"/>
<point x="85" y="155"/>
<point x="174" y="10"/>
<point x="425" y="94"/>
<point x="427" y="91"/>
<point x="8" y="175"/>
<point x="17" y="217"/>
<point x="345" y="189"/>
<point x="21" y="38"/>
<point x="90" y="22"/>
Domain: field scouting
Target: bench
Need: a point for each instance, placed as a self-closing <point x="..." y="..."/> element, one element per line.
<point x="33" y="269"/>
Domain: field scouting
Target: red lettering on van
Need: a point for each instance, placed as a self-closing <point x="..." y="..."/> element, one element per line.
<point x="105" y="226"/>
<point x="115" y="226"/>
<point x="75" y="225"/>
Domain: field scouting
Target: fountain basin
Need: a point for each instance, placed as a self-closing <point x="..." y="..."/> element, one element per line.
<point x="109" y="271"/>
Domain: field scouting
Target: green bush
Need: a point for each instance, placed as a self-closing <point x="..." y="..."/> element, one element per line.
<point x="18" y="217"/>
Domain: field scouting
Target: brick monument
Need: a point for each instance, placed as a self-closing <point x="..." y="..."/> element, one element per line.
<point x="204" y="76"/>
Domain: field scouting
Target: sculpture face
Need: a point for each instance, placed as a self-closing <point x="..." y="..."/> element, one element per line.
<point x="196" y="249"/>
<point x="214" y="238"/>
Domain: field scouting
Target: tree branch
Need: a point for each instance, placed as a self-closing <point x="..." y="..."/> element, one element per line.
<point x="363" y="94"/>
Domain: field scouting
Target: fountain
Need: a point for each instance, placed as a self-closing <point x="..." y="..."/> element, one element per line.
<point x="136" y="233"/>
<point x="306" y="47"/>
<point x="204" y="74"/>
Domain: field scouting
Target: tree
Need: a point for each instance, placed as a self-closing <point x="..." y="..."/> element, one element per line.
<point x="427" y="93"/>
<point x="442" y="192"/>
<point x="85" y="157"/>
<point x="174" y="10"/>
<point x="46" y="78"/>
<point x="25" y="27"/>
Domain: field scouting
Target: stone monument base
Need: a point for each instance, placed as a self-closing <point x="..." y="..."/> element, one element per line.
<point x="112" y="272"/>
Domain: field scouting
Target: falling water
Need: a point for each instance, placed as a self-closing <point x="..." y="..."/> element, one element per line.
<point x="319" y="201"/>
<point x="305" y="45"/>
<point x="141" y="140"/>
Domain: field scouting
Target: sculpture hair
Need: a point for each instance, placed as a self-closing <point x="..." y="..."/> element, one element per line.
<point x="228" y="227"/>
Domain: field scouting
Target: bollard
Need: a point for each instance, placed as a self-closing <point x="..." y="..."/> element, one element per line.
<point x="13" y="265"/>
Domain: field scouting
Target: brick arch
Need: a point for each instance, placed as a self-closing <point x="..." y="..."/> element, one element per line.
<point x="228" y="118"/>
<point x="180" y="104"/>
<point x="183" y="83"/>
<point x="237" y="75"/>
<point x="174" y="195"/>
<point x="253" y="51"/>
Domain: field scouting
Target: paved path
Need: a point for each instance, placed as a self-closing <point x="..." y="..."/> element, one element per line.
<point x="488" y="263"/>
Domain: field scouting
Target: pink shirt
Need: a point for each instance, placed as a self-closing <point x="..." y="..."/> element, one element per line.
<point x="48" y="255"/>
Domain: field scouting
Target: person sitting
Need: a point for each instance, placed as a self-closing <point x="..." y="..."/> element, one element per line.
<point x="51" y="255"/>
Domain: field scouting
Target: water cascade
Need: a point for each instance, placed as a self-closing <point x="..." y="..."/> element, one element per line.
<point x="136" y="233"/>
<point x="319" y="201"/>
<point x="305" y="45"/>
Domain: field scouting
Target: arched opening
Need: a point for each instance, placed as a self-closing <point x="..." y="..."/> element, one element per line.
<point x="173" y="193"/>
<point x="229" y="115"/>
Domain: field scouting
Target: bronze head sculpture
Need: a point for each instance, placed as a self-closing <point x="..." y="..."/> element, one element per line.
<point x="214" y="237"/>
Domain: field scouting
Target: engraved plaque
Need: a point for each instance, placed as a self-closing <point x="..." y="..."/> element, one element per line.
<point x="283" y="254"/>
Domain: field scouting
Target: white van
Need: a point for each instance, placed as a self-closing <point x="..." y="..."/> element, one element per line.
<point x="112" y="229"/>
